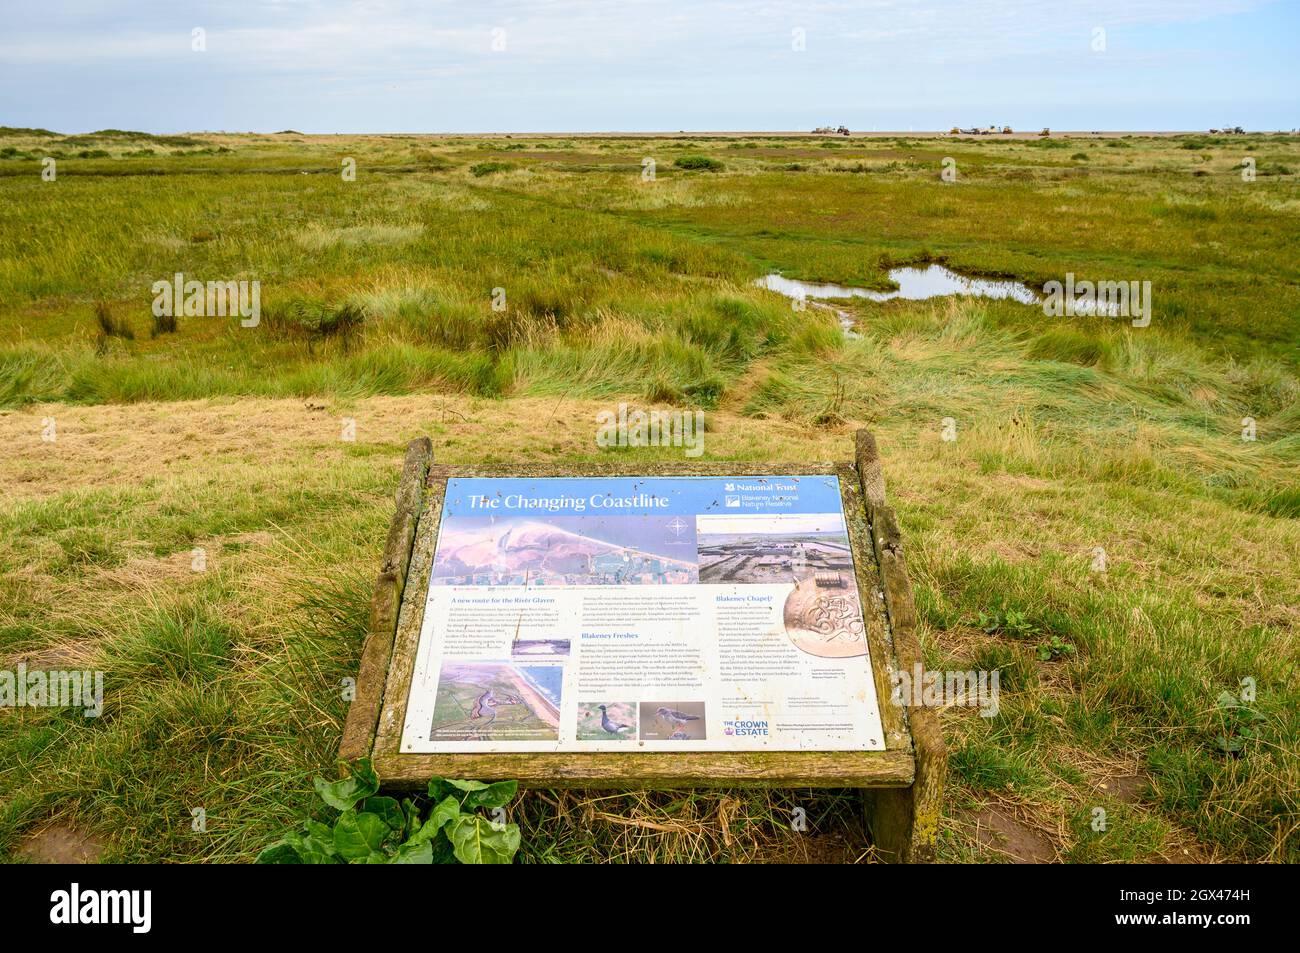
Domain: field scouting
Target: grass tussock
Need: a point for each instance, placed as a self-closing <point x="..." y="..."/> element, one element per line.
<point x="110" y="325"/>
<point x="699" y="164"/>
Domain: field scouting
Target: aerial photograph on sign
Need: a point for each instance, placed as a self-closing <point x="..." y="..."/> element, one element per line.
<point x="482" y="701"/>
<point x="564" y="551"/>
<point x="539" y="647"/>
<point x="765" y="549"/>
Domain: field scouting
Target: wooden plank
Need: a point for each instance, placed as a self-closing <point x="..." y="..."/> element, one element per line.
<point x="618" y="771"/>
<point x="440" y="472"/>
<point x="871" y="472"/>
<point x="870" y="590"/>
<point x="410" y="621"/>
<point x="359" y="728"/>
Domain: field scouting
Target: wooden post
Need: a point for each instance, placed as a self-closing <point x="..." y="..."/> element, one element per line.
<point x="871" y="473"/>
<point x="363" y="715"/>
<point x="904" y="821"/>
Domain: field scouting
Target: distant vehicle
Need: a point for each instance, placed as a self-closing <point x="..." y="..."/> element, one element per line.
<point x="831" y="131"/>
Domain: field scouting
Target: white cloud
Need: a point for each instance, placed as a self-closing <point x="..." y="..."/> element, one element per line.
<point x="325" y="32"/>
<point x="591" y="63"/>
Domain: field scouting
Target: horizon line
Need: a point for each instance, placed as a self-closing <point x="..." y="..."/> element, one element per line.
<point x="674" y="133"/>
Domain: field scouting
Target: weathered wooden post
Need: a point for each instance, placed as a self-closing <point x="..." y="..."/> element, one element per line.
<point x="359" y="729"/>
<point x="905" y="821"/>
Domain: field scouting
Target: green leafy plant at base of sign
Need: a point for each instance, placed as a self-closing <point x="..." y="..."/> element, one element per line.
<point x="372" y="829"/>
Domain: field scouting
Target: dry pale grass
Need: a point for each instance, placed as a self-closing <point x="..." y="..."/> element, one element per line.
<point x="675" y="193"/>
<point x="133" y="443"/>
<point x="318" y="238"/>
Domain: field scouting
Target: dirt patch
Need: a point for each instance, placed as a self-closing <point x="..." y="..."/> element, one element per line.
<point x="61" y="843"/>
<point x="1123" y="779"/>
<point x="996" y="829"/>
<point x="1125" y="787"/>
<point x="1127" y="781"/>
<point x="1190" y="854"/>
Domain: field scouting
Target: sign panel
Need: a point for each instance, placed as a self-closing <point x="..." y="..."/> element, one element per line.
<point x="643" y="614"/>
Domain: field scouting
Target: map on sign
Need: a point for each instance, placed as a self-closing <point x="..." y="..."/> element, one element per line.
<point x="643" y="614"/>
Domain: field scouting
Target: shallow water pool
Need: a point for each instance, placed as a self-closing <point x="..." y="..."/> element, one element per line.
<point x="914" y="284"/>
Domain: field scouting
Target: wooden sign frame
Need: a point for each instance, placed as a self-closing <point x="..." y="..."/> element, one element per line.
<point x="903" y="782"/>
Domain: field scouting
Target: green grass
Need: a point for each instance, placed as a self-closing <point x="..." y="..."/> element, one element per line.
<point x="377" y="304"/>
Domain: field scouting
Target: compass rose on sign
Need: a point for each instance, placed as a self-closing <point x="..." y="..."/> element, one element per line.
<point x="677" y="526"/>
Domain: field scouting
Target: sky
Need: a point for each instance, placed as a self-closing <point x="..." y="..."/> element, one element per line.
<point x="330" y="66"/>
